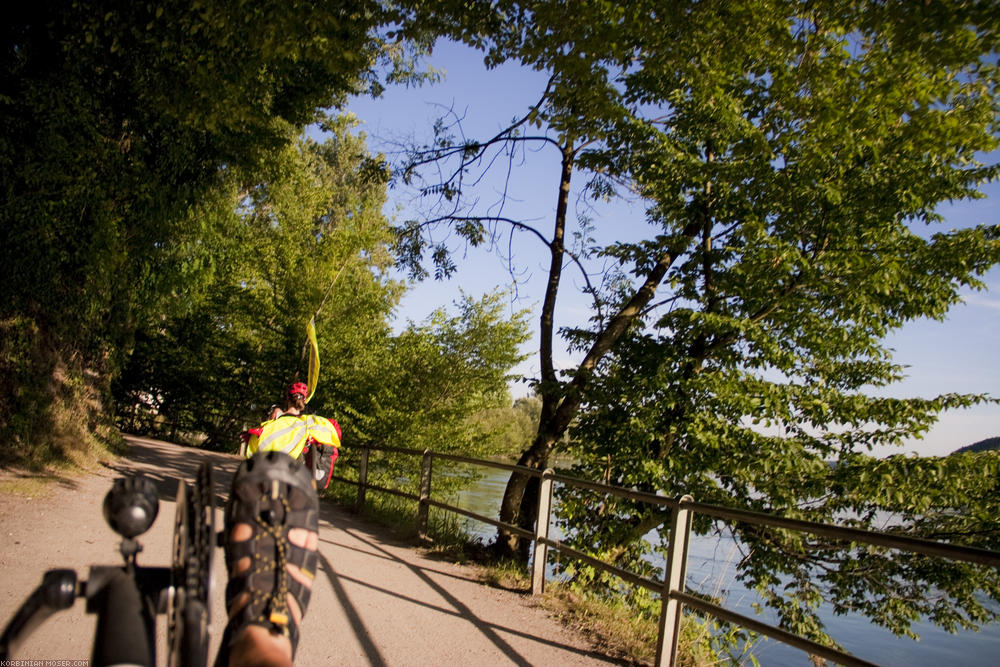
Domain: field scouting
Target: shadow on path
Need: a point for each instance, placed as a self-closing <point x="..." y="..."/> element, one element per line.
<point x="166" y="464"/>
<point x="361" y="632"/>
<point x="357" y="558"/>
<point x="363" y="533"/>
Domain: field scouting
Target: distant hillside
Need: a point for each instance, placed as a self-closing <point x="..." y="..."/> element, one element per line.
<point x="981" y="446"/>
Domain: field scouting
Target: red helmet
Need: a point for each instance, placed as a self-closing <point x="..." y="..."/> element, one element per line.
<point x="298" y="388"/>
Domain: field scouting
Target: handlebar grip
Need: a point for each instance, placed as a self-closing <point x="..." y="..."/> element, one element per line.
<point x="56" y="592"/>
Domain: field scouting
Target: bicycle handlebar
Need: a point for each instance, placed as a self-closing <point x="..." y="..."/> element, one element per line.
<point x="57" y="591"/>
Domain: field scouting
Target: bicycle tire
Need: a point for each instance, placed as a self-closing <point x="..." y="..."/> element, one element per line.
<point x="189" y="602"/>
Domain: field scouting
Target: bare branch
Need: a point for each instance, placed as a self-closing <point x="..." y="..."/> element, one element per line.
<point x="514" y="224"/>
<point x="506" y="135"/>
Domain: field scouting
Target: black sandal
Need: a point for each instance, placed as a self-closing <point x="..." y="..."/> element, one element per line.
<point x="271" y="493"/>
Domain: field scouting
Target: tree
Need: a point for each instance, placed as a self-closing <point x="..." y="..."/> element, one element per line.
<point x="118" y="119"/>
<point x="423" y="387"/>
<point x="790" y="176"/>
<point x="427" y="386"/>
<point x="515" y="424"/>
<point x="307" y="241"/>
<point x="310" y="240"/>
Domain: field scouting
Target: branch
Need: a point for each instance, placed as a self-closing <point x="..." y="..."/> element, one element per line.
<point x="653" y="306"/>
<point x="557" y="249"/>
<point x="504" y="136"/>
<point x="516" y="224"/>
<point x="620" y="322"/>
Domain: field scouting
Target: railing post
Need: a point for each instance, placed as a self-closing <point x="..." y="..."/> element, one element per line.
<point x="673" y="580"/>
<point x="362" y="478"/>
<point x="423" y="509"/>
<point x="542" y="533"/>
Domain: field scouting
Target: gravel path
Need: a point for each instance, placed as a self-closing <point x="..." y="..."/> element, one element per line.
<point x="376" y="601"/>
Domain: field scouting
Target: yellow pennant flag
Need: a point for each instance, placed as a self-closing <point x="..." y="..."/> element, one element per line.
<point x="313" y="358"/>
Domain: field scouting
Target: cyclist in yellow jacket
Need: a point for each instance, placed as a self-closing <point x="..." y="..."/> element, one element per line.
<point x="306" y="437"/>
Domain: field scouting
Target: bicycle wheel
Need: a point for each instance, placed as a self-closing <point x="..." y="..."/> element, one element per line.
<point x="189" y="602"/>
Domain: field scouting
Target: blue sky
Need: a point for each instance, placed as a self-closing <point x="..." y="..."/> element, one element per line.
<point x="960" y="354"/>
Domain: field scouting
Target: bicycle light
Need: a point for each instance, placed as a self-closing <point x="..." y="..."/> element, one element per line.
<point x="131" y="506"/>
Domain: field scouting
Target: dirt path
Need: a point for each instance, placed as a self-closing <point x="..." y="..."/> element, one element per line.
<point x="375" y="601"/>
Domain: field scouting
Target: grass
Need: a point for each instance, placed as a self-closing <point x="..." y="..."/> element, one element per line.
<point x="27" y="485"/>
<point x="618" y="631"/>
<point x="612" y="628"/>
<point x="36" y="481"/>
<point x="62" y="449"/>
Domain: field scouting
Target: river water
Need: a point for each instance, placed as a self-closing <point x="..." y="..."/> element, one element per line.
<point x="711" y="563"/>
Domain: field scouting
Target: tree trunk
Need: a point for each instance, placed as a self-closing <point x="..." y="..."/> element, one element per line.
<point x="560" y="401"/>
<point x="517" y="507"/>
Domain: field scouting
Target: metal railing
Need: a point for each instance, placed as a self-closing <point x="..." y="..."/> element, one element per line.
<point x="671" y="589"/>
